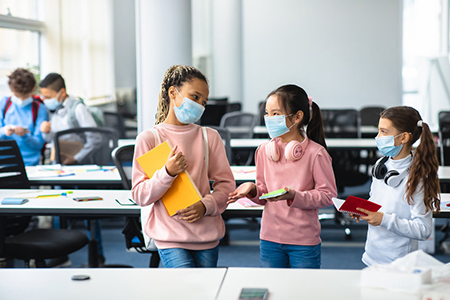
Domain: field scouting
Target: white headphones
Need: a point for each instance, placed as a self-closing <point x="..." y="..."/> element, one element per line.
<point x="392" y="178"/>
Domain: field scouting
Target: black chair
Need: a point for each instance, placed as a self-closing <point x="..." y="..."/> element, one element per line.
<point x="241" y="126"/>
<point x="444" y="138"/>
<point x="134" y="238"/>
<point x="97" y="142"/>
<point x="226" y="137"/>
<point x="115" y="121"/>
<point x="370" y="115"/>
<point x="35" y="244"/>
<point x="349" y="166"/>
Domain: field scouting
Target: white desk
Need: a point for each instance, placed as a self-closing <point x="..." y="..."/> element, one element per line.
<point x="109" y="284"/>
<point x="303" y="284"/>
<point x="90" y="175"/>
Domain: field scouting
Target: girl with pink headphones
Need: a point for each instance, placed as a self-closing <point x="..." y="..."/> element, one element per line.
<point x="297" y="161"/>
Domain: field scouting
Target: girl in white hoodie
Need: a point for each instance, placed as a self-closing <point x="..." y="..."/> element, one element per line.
<point x="405" y="184"/>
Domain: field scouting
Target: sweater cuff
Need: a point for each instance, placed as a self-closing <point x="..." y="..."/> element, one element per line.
<point x="387" y="219"/>
<point x="165" y="177"/>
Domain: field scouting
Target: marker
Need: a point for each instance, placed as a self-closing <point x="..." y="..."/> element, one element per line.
<point x="9" y="174"/>
<point x="55" y="195"/>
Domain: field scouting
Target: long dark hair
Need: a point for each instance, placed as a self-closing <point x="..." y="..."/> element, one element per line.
<point x="293" y="98"/>
<point x="175" y="76"/>
<point x="425" y="163"/>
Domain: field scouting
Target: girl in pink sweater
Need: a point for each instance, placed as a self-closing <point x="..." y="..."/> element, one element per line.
<point x="297" y="161"/>
<point x="191" y="237"/>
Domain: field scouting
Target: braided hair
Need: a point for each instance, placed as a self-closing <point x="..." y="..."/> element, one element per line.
<point x="175" y="76"/>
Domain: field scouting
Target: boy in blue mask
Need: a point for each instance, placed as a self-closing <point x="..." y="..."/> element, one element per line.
<point x="67" y="114"/>
<point x="22" y="115"/>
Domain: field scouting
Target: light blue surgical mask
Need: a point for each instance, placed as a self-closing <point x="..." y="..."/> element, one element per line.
<point x="276" y="125"/>
<point x="189" y="111"/>
<point x="386" y="145"/>
<point x="21" y="103"/>
<point x="53" y="103"/>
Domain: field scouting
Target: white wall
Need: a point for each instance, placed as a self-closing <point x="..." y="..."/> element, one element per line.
<point x="344" y="53"/>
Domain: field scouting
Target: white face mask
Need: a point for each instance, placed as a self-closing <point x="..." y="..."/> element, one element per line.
<point x="21" y="103"/>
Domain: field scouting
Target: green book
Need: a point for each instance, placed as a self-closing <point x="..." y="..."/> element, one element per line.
<point x="274" y="194"/>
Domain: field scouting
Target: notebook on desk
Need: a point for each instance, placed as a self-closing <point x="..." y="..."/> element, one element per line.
<point x="183" y="191"/>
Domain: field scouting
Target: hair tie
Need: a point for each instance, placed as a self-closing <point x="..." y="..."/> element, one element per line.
<point x="420" y="123"/>
<point x="310" y="101"/>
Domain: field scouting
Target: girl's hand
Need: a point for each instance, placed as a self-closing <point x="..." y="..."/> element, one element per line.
<point x="374" y="218"/>
<point x="176" y="163"/>
<point x="248" y="188"/>
<point x="353" y="216"/>
<point x="288" y="196"/>
<point x="192" y="213"/>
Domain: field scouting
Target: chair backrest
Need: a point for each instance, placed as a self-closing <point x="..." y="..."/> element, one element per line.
<point x="370" y="115"/>
<point x="214" y="110"/>
<point x="226" y="137"/>
<point x="262" y="112"/>
<point x="444" y="137"/>
<point x="116" y="121"/>
<point x="240" y="124"/>
<point x="94" y="144"/>
<point x="123" y="159"/>
<point x="12" y="167"/>
<point x="341" y="123"/>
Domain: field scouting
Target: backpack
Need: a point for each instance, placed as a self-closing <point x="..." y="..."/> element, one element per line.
<point x="95" y="112"/>
<point x="34" y="107"/>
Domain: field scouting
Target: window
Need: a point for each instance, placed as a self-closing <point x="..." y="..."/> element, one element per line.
<point x="20" y="33"/>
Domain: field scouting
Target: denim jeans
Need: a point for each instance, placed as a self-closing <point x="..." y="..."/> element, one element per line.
<point x="184" y="258"/>
<point x="274" y="255"/>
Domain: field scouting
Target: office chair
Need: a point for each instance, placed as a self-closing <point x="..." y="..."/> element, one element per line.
<point x="226" y="137"/>
<point x="36" y="244"/>
<point x="370" y="115"/>
<point x="347" y="163"/>
<point x="241" y="126"/>
<point x="96" y="142"/>
<point x="115" y="121"/>
<point x="134" y="238"/>
<point x="444" y="158"/>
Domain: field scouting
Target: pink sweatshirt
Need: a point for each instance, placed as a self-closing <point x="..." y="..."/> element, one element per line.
<point x="295" y="221"/>
<point x="171" y="232"/>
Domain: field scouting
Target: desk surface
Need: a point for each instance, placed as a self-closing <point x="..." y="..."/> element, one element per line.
<point x="91" y="175"/>
<point x="111" y="284"/>
<point x="217" y="283"/>
<point x="302" y="284"/>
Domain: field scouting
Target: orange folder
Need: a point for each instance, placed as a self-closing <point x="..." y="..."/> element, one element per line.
<point x="183" y="192"/>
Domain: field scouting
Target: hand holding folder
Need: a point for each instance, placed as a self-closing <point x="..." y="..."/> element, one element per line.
<point x="352" y="202"/>
<point x="183" y="192"/>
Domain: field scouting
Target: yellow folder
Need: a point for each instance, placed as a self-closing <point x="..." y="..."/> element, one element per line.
<point x="183" y="192"/>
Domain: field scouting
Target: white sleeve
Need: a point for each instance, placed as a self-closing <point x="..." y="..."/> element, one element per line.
<point x="418" y="227"/>
<point x="93" y="140"/>
<point x="84" y="117"/>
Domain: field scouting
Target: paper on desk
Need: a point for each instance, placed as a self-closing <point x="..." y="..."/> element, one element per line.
<point x="247" y="202"/>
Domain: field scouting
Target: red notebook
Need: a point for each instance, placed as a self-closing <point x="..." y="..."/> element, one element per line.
<point x="352" y="202"/>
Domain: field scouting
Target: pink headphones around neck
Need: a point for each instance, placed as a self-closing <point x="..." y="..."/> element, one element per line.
<point x="293" y="151"/>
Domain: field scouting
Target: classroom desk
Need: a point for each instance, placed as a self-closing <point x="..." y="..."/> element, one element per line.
<point x="303" y="284"/>
<point x="82" y="175"/>
<point x="109" y="284"/>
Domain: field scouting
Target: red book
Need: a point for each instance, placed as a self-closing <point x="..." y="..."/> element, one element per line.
<point x="352" y="202"/>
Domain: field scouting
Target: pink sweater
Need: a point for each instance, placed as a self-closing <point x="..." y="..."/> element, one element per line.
<point x="171" y="232"/>
<point x="296" y="221"/>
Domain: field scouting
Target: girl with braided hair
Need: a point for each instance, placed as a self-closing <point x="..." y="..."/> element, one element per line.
<point x="190" y="238"/>
<point x="405" y="184"/>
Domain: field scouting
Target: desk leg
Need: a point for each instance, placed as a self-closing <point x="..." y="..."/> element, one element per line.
<point x="93" y="246"/>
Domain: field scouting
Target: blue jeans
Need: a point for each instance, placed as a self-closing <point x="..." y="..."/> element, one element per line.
<point x="184" y="258"/>
<point x="274" y="255"/>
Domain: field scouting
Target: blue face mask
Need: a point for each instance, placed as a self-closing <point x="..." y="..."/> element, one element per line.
<point x="53" y="103"/>
<point x="386" y="145"/>
<point x="21" y="103"/>
<point x="276" y="125"/>
<point x="189" y="111"/>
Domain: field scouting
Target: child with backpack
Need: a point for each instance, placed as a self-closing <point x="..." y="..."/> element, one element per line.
<point x="68" y="112"/>
<point x="22" y="115"/>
